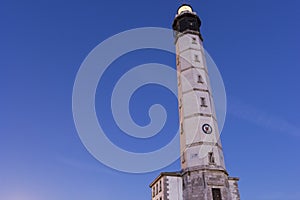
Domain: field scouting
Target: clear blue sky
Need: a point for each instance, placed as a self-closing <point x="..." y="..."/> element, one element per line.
<point x="254" y="43"/>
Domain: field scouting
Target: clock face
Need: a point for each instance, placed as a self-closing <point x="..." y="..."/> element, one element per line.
<point x="207" y="129"/>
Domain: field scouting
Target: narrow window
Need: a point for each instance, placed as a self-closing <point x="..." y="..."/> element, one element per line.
<point x="203" y="102"/>
<point x="156" y="188"/>
<point x="153" y="191"/>
<point x="216" y="193"/>
<point x="197" y="58"/>
<point x="194" y="40"/>
<point x="160" y="186"/>
<point x="211" y="158"/>
<point x="200" y="79"/>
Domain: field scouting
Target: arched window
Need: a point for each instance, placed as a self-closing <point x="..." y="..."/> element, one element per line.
<point x="203" y="102"/>
<point x="194" y="40"/>
<point x="211" y="158"/>
<point x="200" y="79"/>
<point x="197" y="58"/>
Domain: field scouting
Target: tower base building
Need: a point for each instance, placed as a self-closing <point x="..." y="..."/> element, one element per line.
<point x="203" y="175"/>
<point x="196" y="185"/>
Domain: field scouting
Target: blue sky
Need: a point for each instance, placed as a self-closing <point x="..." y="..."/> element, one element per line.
<point x="255" y="44"/>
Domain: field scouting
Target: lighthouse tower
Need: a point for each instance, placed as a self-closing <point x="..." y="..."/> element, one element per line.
<point x="203" y="175"/>
<point x="200" y="143"/>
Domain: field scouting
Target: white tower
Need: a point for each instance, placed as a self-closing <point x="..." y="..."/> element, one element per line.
<point x="203" y="175"/>
<point x="200" y="143"/>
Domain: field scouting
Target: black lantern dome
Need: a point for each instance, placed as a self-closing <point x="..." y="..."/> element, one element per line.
<point x="186" y="21"/>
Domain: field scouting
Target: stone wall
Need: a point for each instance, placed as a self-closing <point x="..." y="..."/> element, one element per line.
<point x="198" y="184"/>
<point x="234" y="189"/>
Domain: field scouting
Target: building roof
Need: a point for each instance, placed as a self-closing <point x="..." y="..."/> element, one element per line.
<point x="162" y="174"/>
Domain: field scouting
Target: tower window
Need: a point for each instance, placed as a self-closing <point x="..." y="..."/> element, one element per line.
<point x="160" y="186"/>
<point x="211" y="158"/>
<point x="194" y="40"/>
<point x="200" y="79"/>
<point x="216" y="193"/>
<point x="203" y="102"/>
<point x="197" y="58"/>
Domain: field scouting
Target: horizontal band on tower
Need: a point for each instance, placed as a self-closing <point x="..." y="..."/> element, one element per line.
<point x="193" y="67"/>
<point x="204" y="143"/>
<point x="200" y="114"/>
<point x="196" y="89"/>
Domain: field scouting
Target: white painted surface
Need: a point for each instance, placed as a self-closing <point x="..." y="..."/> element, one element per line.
<point x="174" y="188"/>
<point x="195" y="144"/>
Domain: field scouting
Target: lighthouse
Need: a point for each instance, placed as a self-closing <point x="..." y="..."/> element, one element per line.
<point x="203" y="175"/>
